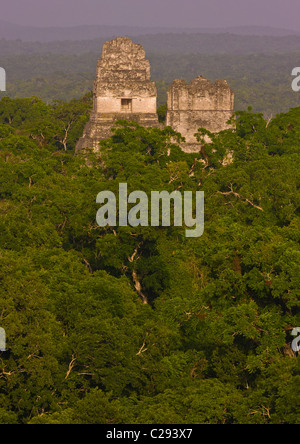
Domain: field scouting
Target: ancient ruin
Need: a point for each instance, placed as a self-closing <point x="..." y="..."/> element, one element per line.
<point x="199" y="104"/>
<point x="123" y="91"/>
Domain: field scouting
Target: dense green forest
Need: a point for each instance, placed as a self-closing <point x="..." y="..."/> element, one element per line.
<point x="143" y="325"/>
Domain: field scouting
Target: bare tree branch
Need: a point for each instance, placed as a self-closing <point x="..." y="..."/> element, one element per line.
<point x="71" y="366"/>
<point x="233" y="193"/>
<point x="142" y="349"/>
<point x="137" y="284"/>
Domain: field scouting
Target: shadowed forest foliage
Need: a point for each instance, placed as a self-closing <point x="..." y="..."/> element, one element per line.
<point x="123" y="325"/>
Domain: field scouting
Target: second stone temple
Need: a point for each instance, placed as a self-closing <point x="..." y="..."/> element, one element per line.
<point x="123" y="90"/>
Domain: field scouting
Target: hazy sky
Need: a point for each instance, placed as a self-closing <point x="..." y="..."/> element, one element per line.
<point x="175" y="13"/>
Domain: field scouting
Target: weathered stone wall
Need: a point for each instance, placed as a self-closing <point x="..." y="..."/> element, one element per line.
<point x="122" y="90"/>
<point x="200" y="104"/>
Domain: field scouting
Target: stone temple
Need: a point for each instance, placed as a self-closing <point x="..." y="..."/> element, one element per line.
<point x="123" y="90"/>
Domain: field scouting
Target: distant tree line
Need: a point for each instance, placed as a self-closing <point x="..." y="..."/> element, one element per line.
<point x="258" y="80"/>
